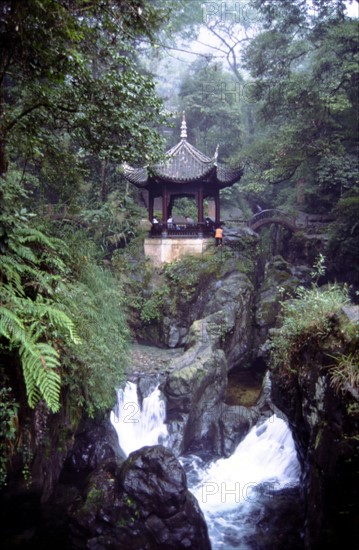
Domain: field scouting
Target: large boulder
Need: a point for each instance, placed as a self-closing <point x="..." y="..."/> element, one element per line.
<point x="229" y="310"/>
<point x="96" y="442"/>
<point x="194" y="288"/>
<point x="194" y="394"/>
<point x="197" y="417"/>
<point x="143" y="505"/>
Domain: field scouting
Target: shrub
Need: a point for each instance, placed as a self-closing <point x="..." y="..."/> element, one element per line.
<point x="93" y="368"/>
<point x="61" y="313"/>
<point x="308" y="316"/>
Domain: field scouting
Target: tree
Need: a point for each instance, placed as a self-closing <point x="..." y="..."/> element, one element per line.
<point x="68" y="71"/>
<point x="71" y="91"/>
<point x="210" y="97"/>
<point x="306" y="73"/>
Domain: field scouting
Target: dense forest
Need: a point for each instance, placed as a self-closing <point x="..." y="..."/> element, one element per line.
<point x="86" y="86"/>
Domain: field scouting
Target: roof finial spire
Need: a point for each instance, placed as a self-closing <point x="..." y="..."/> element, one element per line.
<point x="216" y="155"/>
<point x="184" y="126"/>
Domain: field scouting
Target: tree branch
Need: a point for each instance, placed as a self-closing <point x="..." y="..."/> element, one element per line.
<point x="29" y="110"/>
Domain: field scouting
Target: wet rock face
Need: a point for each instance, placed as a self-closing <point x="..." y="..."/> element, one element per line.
<point x="278" y="522"/>
<point x="155" y="478"/>
<point x="229" y="308"/>
<point x="217" y="288"/>
<point x="143" y="505"/>
<point x="197" y="417"/>
<point x="281" y="279"/>
<point x="95" y="442"/>
<point x="325" y="426"/>
<point x="194" y="394"/>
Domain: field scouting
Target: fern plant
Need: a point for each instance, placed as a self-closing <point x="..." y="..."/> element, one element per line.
<point x="46" y="283"/>
<point x="29" y="325"/>
<point x="30" y="317"/>
<point x="94" y="368"/>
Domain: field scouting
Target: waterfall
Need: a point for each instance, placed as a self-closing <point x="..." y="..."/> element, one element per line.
<point x="232" y="492"/>
<point x="266" y="457"/>
<point x="138" y="426"/>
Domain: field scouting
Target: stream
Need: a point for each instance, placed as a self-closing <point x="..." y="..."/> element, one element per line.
<point x="230" y="491"/>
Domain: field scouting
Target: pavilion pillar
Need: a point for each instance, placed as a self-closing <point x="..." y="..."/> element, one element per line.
<point x="164" y="210"/>
<point x="150" y="205"/>
<point x="217" y="208"/>
<point x="200" y="210"/>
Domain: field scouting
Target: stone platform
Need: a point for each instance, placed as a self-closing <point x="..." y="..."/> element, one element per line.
<point x="162" y="251"/>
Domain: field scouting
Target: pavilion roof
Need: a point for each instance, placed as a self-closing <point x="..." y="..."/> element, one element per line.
<point x="184" y="164"/>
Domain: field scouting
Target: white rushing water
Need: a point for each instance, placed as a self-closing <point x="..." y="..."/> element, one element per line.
<point x="139" y="426"/>
<point x="230" y="491"/>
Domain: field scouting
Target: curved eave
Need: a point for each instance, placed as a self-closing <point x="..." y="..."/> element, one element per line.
<point x="228" y="176"/>
<point x="184" y="165"/>
<point x="137" y="176"/>
<point x="179" y="175"/>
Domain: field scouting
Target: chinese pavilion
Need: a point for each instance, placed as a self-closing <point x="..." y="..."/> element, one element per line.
<point x="186" y="172"/>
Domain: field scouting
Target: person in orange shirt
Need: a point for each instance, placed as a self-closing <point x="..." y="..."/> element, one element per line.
<point x="219" y="236"/>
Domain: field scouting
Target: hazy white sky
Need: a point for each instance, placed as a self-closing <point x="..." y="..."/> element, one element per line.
<point x="207" y="42"/>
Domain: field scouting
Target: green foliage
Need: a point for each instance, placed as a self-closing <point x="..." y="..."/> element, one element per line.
<point x="210" y="97"/>
<point x="185" y="206"/>
<point x="343" y="244"/>
<point x="30" y="315"/>
<point x="306" y="318"/>
<point x="189" y="274"/>
<point x="94" y="367"/>
<point x="345" y="373"/>
<point x="76" y="96"/>
<point x="319" y="268"/>
<point x="113" y="224"/>
<point x="61" y="313"/>
<point x="246" y="266"/>
<point x="304" y="63"/>
<point x="152" y="308"/>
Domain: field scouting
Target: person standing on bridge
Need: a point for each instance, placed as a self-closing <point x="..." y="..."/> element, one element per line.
<point x="219" y="236"/>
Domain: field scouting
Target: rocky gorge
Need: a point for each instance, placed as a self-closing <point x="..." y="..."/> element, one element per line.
<point x="203" y="327"/>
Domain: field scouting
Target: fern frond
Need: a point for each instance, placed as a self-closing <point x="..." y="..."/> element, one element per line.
<point x="60" y="320"/>
<point x="17" y="272"/>
<point x="32" y="235"/>
<point x="11" y="326"/>
<point x="24" y="252"/>
<point x="39" y="363"/>
<point x="12" y="270"/>
<point x="54" y="262"/>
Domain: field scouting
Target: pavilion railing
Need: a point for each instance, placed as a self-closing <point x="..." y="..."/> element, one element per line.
<point x="182" y="230"/>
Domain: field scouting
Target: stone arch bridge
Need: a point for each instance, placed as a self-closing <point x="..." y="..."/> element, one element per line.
<point x="273" y="215"/>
